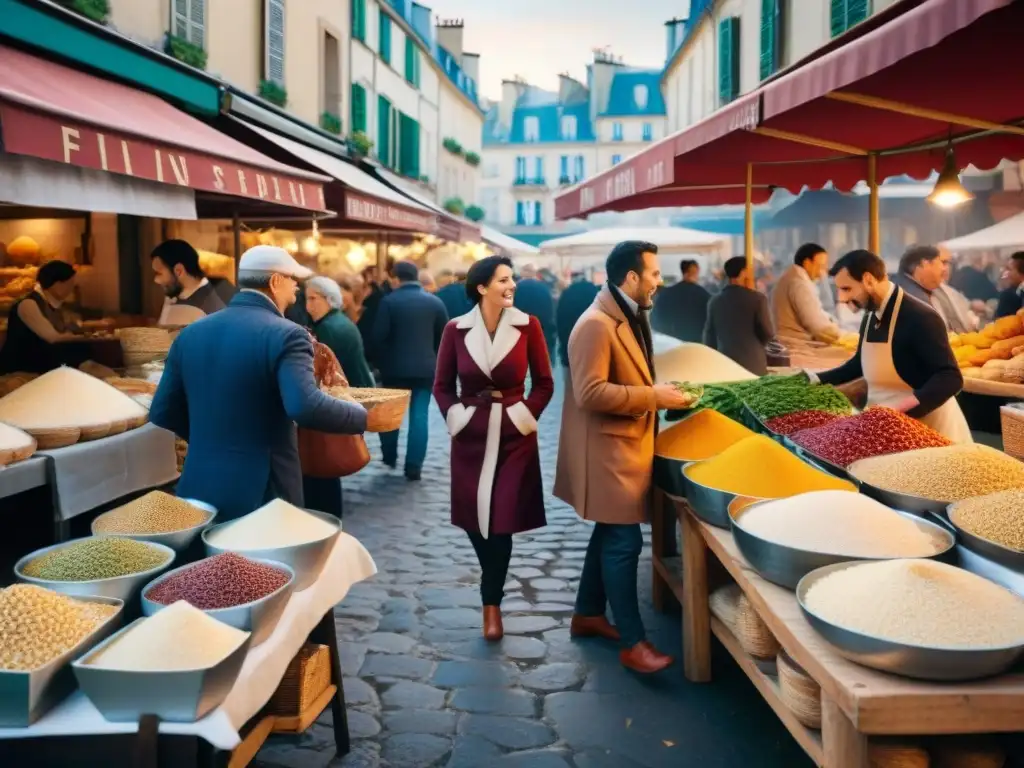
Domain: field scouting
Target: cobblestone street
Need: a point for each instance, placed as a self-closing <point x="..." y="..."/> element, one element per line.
<point x="424" y="689"/>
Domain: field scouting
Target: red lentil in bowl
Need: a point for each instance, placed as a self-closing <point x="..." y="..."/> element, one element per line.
<point x="223" y="581"/>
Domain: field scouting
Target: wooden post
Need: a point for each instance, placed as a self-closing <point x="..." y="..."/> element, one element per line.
<point x="842" y="744"/>
<point x="748" y="221"/>
<point x="236" y="231"/>
<point x="874" y="231"/>
<point x="696" y="611"/>
<point x="659" y="588"/>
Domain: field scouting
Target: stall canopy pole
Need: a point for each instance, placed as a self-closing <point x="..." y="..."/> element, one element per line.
<point x="236" y="232"/>
<point x="874" y="230"/>
<point x="748" y="221"/>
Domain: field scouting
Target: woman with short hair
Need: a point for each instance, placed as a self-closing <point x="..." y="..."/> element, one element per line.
<point x="325" y="304"/>
<point x="480" y="387"/>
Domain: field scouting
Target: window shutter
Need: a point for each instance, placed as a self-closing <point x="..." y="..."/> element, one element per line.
<point x="837" y="17"/>
<point x="358" y="121"/>
<point x="728" y="59"/>
<point x="189" y="21"/>
<point x="384" y="47"/>
<point x="579" y="167"/>
<point x="538" y="215"/>
<point x="409" y="146"/>
<point x="563" y="167"/>
<point x="520" y="213"/>
<point x="410" y="60"/>
<point x="856" y="11"/>
<point x="359" y="20"/>
<point x="769" y="55"/>
<point x="274" y="42"/>
<point x="383" y="130"/>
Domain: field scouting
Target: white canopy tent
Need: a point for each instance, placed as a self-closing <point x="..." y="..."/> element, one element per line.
<point x="506" y="244"/>
<point x="1008" y="233"/>
<point x="591" y="248"/>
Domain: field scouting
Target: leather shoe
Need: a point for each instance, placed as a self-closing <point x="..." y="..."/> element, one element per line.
<point x="644" y="658"/>
<point x="593" y="626"/>
<point x="493" y="630"/>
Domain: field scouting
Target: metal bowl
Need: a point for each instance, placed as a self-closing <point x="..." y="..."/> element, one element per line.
<point x="915" y="505"/>
<point x="709" y="504"/>
<point x="819" y="463"/>
<point x="668" y="470"/>
<point x="305" y="560"/>
<point x="786" y="566"/>
<point x="919" y="662"/>
<point x="259" y="617"/>
<point x="27" y="695"/>
<point x="121" y="587"/>
<point x="181" y="696"/>
<point x="176" y="540"/>
<point x="998" y="553"/>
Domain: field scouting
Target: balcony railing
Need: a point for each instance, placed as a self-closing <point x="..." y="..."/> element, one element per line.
<point x="524" y="181"/>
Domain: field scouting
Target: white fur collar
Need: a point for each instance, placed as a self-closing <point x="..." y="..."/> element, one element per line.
<point x="486" y="352"/>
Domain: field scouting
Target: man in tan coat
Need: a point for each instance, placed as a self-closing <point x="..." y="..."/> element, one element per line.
<point x="606" y="449"/>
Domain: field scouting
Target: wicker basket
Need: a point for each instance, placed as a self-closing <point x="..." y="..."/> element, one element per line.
<point x="180" y="452"/>
<point x="734" y="610"/>
<point x="896" y="754"/>
<point x="307" y="676"/>
<point x="385" y="408"/>
<point x="799" y="691"/>
<point x="1012" y="419"/>
<point x="967" y="752"/>
<point x="145" y="345"/>
<point x="11" y="381"/>
<point x="132" y="386"/>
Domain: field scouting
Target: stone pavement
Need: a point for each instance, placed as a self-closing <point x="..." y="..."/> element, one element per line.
<point x="425" y="690"/>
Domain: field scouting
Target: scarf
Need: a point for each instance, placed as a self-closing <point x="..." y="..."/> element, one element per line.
<point x="640" y="326"/>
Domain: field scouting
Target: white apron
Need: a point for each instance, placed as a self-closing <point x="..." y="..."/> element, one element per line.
<point x="885" y="387"/>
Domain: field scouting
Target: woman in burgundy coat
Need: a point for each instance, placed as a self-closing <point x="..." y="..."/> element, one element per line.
<point x="480" y="384"/>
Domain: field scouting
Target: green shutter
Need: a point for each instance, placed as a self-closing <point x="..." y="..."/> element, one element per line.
<point x="769" y="54"/>
<point x="837" y="17"/>
<point x="409" y="149"/>
<point x="383" y="130"/>
<point x="359" y="20"/>
<point x="410" y="60"/>
<point x="358" y="120"/>
<point x="384" y="31"/>
<point x="856" y="11"/>
<point x="847" y="13"/>
<point x="728" y="59"/>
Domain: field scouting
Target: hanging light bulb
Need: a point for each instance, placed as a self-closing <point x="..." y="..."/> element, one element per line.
<point x="948" y="191"/>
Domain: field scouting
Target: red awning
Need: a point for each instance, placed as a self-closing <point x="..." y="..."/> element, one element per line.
<point x="55" y="113"/>
<point x="450" y="227"/>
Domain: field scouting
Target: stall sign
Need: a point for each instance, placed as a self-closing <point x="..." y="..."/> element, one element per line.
<point x="641" y="173"/>
<point x="371" y="211"/>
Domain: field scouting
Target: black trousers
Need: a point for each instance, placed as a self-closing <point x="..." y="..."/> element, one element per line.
<point x="493" y="553"/>
<point x="322" y="494"/>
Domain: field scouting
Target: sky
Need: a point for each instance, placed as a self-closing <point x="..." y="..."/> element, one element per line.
<point x="538" y="39"/>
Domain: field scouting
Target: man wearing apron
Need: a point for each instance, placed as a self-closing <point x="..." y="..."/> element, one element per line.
<point x="904" y="353"/>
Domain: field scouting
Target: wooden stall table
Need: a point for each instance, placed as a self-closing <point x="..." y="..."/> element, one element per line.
<point x="857" y="703"/>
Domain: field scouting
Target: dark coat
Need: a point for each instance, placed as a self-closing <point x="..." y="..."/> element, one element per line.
<point x="455" y="300"/>
<point x="1010" y="302"/>
<point x="234" y="386"/>
<point x="498" y="481"/>
<point x="739" y="325"/>
<point x="406" y="336"/>
<point x="574" y="301"/>
<point x="534" y="298"/>
<point x="368" y="319"/>
<point x="340" y="334"/>
<point x="681" y="311"/>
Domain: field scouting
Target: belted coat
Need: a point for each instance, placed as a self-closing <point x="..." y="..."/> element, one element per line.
<point x="480" y="387"/>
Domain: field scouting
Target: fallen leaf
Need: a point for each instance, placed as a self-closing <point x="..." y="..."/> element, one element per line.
<point x="668" y="743"/>
<point x="629" y="721"/>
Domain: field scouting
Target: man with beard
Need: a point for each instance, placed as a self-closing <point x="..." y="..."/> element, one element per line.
<point x="904" y="353"/>
<point x="190" y="295"/>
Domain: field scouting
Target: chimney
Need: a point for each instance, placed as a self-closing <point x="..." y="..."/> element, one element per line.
<point x="602" y="71"/>
<point x="675" y="31"/>
<point x="570" y="90"/>
<point x="471" y="66"/>
<point x="420" y="21"/>
<point x="449" y="36"/>
<point x="511" y="90"/>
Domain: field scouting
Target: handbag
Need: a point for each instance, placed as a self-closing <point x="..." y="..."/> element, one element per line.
<point x="322" y="454"/>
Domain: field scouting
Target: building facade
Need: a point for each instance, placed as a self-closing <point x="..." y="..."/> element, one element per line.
<point x="536" y="142"/>
<point x="720" y="49"/>
<point x="371" y="67"/>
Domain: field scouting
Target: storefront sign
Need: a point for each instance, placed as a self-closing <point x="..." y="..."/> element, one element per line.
<point x="641" y="173"/>
<point x="371" y="211"/>
<point x="50" y="137"/>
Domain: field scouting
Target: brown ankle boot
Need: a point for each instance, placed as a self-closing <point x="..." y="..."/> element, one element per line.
<point x="644" y="658"/>
<point x="493" y="630"/>
<point x="592" y="626"/>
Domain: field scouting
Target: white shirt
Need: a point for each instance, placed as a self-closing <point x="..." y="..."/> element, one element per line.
<point x="885" y="302"/>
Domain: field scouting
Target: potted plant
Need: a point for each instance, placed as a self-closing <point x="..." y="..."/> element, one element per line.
<point x="452" y="146"/>
<point x="455" y="205"/>
<point x="473" y="159"/>
<point x="94" y="10"/>
<point x="184" y="51"/>
<point x="359" y="144"/>
<point x="475" y="213"/>
<point x="274" y="93"/>
<point x="330" y="122"/>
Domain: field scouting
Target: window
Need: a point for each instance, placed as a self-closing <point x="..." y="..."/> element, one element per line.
<point x="616" y="159"/>
<point x="728" y="59"/>
<point x="358" y="120"/>
<point x="579" y="174"/>
<point x="492" y="170"/>
<point x="538" y="213"/>
<point x="640" y="96"/>
<point x="538" y="169"/>
<point x="520" y="213"/>
<point x="385" y="144"/>
<point x="563" y="169"/>
<point x="648" y="132"/>
<point x="520" y="169"/>
<point x="384" y="43"/>
<point x="531" y="129"/>
<point x="408" y="146"/>
<point x="359" y="20"/>
<point x="188" y="21"/>
<point x="616" y="131"/>
<point x="569" y="127"/>
<point x="273" y="22"/>
<point x="846" y="13"/>
<point x="412" y="62"/>
<point x="773" y="36"/>
<point x="332" y="74"/>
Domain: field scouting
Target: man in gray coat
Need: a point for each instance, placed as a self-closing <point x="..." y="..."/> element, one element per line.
<point x="739" y="324"/>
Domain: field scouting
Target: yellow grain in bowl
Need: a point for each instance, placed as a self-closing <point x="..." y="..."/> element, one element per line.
<point x="758" y="466"/>
<point x="700" y="436"/>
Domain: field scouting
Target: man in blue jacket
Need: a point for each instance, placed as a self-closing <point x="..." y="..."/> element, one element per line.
<point x="407" y="334"/>
<point x="236" y="384"/>
<point x="533" y="296"/>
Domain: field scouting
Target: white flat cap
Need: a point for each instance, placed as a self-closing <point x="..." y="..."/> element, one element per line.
<point x="270" y="258"/>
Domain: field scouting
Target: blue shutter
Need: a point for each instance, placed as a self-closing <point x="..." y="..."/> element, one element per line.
<point x="520" y="213"/>
<point x="579" y="168"/>
<point x="616" y="131"/>
<point x="538" y="216"/>
<point x="728" y="59"/>
<point x="538" y="169"/>
<point x="648" y="132"/>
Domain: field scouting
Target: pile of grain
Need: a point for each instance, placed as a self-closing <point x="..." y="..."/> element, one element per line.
<point x="761" y="468"/>
<point x="15" y="443"/>
<point x="156" y="512"/>
<point x="275" y="524"/>
<point x="698" y="364"/>
<point x="99" y="558"/>
<point x="839" y="523"/>
<point x="950" y="474"/>
<point x="700" y="436"/>
<point x="66" y="397"/>
<point x="180" y="637"/>
<point x="221" y="581"/>
<point x="37" y="625"/>
<point x="920" y="602"/>
<point x="995" y="517"/>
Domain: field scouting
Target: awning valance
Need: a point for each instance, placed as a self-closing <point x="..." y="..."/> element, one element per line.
<point x="51" y="112"/>
<point x="451" y="227"/>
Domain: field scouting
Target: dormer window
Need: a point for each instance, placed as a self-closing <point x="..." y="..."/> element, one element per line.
<point x="640" y="96"/>
<point x="531" y="129"/>
<point x="569" y="127"/>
